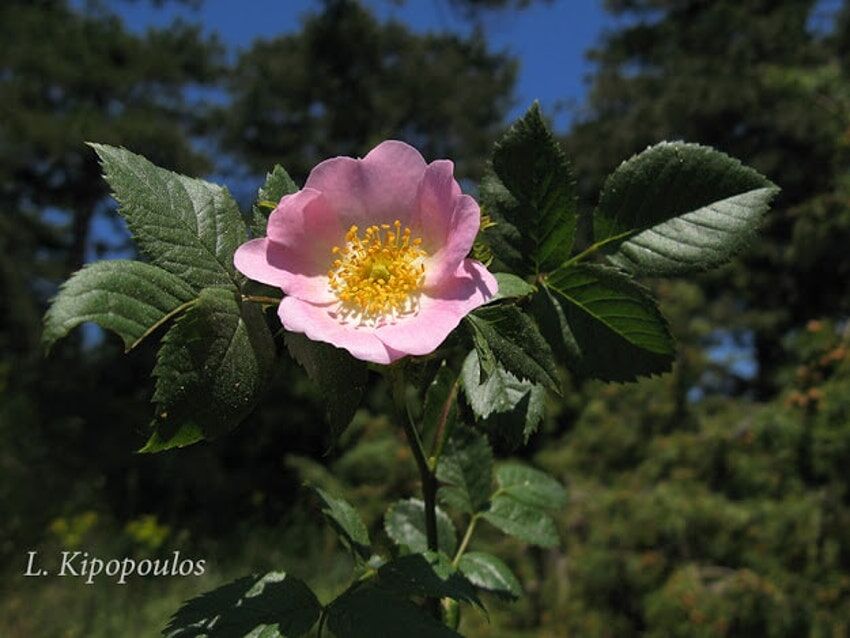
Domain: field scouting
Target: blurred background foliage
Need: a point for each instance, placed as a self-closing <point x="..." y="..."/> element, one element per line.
<point x="713" y="501"/>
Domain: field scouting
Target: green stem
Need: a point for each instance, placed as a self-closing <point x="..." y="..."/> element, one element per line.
<point x="426" y="474"/>
<point x="593" y="248"/>
<point x="170" y="315"/>
<point x="266" y="301"/>
<point x="470" y="530"/>
<point x="442" y="426"/>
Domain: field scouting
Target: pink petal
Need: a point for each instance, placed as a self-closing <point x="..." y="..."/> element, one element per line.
<point x="317" y="323"/>
<point x="377" y="189"/>
<point x="305" y="223"/>
<point x="441" y="310"/>
<point x="461" y="229"/>
<point x="269" y="263"/>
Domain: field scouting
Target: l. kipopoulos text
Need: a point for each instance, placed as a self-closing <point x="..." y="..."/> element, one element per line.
<point x="88" y="567"/>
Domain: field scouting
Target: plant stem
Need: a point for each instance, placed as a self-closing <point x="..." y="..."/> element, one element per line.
<point x="261" y="299"/>
<point x="442" y="426"/>
<point x="426" y="474"/>
<point x="470" y="530"/>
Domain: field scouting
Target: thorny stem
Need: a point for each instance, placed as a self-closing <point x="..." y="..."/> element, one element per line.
<point x="426" y="473"/>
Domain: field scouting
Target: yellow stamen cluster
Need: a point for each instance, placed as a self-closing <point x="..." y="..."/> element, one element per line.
<point x="379" y="275"/>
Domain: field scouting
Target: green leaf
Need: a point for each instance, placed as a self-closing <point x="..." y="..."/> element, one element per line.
<point x="530" y="486"/>
<point x="426" y="574"/>
<point x="465" y="467"/>
<point x="506" y="407"/>
<point x="278" y="183"/>
<point x="211" y="370"/>
<point x="678" y="208"/>
<point x="535" y="220"/>
<point x="529" y="524"/>
<point x="348" y="525"/>
<point x="516" y="344"/>
<point x="370" y="611"/>
<point x="489" y="573"/>
<point x="404" y="523"/>
<point x="511" y="287"/>
<point x="128" y="297"/>
<point x="612" y="328"/>
<point x="272" y="605"/>
<point x="187" y="226"/>
<point x="341" y="378"/>
<point x="440" y="407"/>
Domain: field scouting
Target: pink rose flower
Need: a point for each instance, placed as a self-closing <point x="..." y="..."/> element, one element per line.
<point x="371" y="254"/>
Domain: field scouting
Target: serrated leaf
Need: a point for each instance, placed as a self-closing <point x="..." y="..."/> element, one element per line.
<point x="341" y="378"/>
<point x="535" y="209"/>
<point x="127" y="297"/>
<point x="530" y="486"/>
<point x="370" y="611"/>
<point x="211" y="370"/>
<point x="404" y="523"/>
<point x="187" y="226"/>
<point x="465" y="468"/>
<point x="489" y="573"/>
<point x="426" y="574"/>
<point x="515" y="343"/>
<point x="511" y="287"/>
<point x="347" y="523"/>
<point x="278" y="183"/>
<point x="612" y="328"/>
<point x="273" y="605"/>
<point x="678" y="208"/>
<point x="529" y="524"/>
<point x="507" y="408"/>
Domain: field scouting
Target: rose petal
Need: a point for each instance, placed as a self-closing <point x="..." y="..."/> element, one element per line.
<point x="269" y="263"/>
<point x="377" y="189"/>
<point x="441" y="310"/>
<point x="462" y="228"/>
<point x="319" y="325"/>
<point x="304" y="222"/>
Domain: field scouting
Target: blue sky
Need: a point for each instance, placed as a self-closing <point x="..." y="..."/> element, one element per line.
<point x="550" y="40"/>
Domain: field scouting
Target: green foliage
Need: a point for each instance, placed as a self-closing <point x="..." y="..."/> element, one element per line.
<point x="530" y="198"/>
<point x="273" y="605"/>
<point x="211" y="370"/>
<point x="511" y="286"/>
<point x="527" y="523"/>
<point x="341" y="378"/>
<point x="404" y="523"/>
<point x="490" y="573"/>
<point x="128" y="297"/>
<point x="465" y="469"/>
<point x="505" y="406"/>
<point x="369" y="611"/>
<point x="507" y="336"/>
<point x="530" y="486"/>
<point x="426" y="574"/>
<point x="679" y="208"/>
<point x="612" y="329"/>
<point x="187" y="226"/>
<point x="348" y="525"/>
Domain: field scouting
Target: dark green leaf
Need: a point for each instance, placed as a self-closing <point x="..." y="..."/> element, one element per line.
<point x="508" y="408"/>
<point x="278" y="183"/>
<point x="530" y="486"/>
<point x="677" y="208"/>
<point x="511" y="287"/>
<point x="404" y="523"/>
<point x="274" y="605"/>
<point x="426" y="574"/>
<point x="187" y="226"/>
<point x="211" y="370"/>
<point x="341" y="378"/>
<point x="128" y="297"/>
<point x="612" y="328"/>
<point x="466" y="469"/>
<point x="529" y="524"/>
<point x="536" y="218"/>
<point x="516" y="343"/>
<point x="371" y="611"/>
<point x="489" y="573"/>
<point x="348" y="525"/>
<point x="440" y="409"/>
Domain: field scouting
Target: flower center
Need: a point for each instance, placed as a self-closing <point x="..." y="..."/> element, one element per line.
<point x="379" y="275"/>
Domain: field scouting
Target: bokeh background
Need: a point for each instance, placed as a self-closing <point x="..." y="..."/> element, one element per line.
<point x="713" y="501"/>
